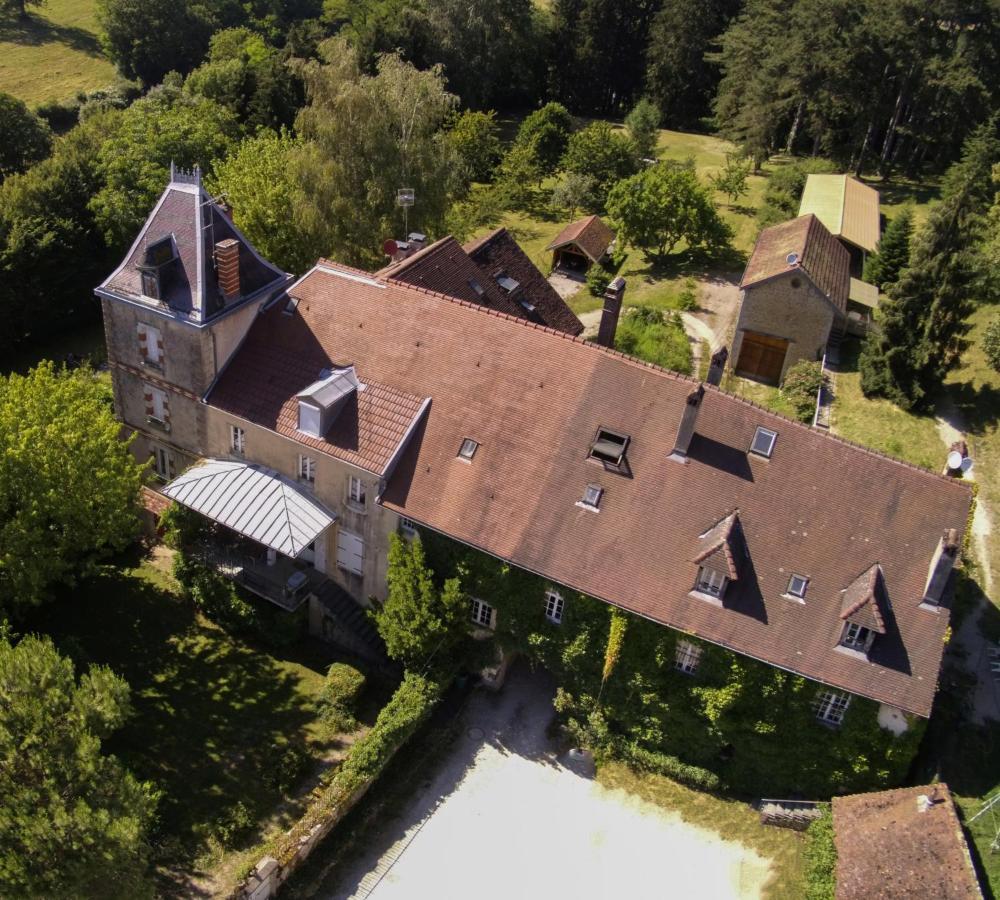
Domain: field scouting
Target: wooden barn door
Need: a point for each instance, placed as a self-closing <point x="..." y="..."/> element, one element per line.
<point x="762" y="357"/>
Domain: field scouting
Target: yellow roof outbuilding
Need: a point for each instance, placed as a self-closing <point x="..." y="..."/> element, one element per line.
<point x="847" y="207"/>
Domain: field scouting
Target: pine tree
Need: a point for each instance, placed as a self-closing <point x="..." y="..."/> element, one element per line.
<point x="892" y="255"/>
<point x="919" y="329"/>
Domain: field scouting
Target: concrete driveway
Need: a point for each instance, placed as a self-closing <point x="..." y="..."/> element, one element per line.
<point x="504" y="819"/>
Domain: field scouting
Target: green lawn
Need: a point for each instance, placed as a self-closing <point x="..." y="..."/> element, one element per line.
<point x="214" y="715"/>
<point x="733" y="820"/>
<point x="54" y="54"/>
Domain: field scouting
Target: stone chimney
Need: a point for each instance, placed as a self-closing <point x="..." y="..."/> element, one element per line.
<point x="942" y="563"/>
<point x="227" y="267"/>
<point x="717" y="366"/>
<point x="612" y="309"/>
<point x="685" y="430"/>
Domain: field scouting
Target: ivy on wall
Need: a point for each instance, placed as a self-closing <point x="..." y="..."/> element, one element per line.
<point x="749" y="723"/>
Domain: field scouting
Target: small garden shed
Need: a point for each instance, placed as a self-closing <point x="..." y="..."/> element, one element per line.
<point x="581" y="244"/>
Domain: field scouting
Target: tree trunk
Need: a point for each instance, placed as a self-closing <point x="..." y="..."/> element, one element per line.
<point x="863" y="152"/>
<point x="795" y="126"/>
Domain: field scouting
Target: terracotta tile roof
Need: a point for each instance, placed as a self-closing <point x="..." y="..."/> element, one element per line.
<point x="153" y="501"/>
<point x="888" y="849"/>
<point x="863" y="602"/>
<point x="720" y="547"/>
<point x="533" y="399"/>
<point x="849" y="208"/>
<point x="189" y="285"/>
<point x="499" y="252"/>
<point x="590" y="234"/>
<point x="819" y="255"/>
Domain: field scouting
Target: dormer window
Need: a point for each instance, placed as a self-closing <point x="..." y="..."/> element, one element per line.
<point x="468" y="449"/>
<point x="763" y="442"/>
<point x="157" y="258"/>
<point x="710" y="582"/>
<point x="609" y="448"/>
<point x="857" y="637"/>
<point x="323" y="400"/>
<point x="592" y="494"/>
<point x="797" y="585"/>
<point x="150" y="285"/>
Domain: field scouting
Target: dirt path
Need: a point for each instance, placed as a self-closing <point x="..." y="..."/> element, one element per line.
<point x="505" y="818"/>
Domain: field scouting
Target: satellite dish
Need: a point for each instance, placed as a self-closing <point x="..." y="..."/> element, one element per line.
<point x="389" y="247"/>
<point x="792" y="259"/>
<point x="954" y="460"/>
<point x="966" y="464"/>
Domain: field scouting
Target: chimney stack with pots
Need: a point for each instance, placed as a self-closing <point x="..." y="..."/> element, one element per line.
<point x="685" y="430"/>
<point x="943" y="561"/>
<point x="612" y="309"/>
<point x="227" y="267"/>
<point x="717" y="366"/>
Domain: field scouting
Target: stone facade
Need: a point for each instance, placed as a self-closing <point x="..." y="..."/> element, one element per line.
<point x="788" y="306"/>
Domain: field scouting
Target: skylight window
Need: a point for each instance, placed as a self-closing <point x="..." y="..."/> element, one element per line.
<point x="507" y="283"/>
<point x="477" y="287"/>
<point x="609" y="447"/>
<point x="797" y="585"/>
<point x="763" y="442"/>
<point x="592" y="494"/>
<point x="291" y="306"/>
<point x="468" y="449"/>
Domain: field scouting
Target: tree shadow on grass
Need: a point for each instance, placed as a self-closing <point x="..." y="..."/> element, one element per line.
<point x="32" y="31"/>
<point x="979" y="407"/>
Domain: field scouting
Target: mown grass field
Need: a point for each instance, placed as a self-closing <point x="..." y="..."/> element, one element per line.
<point x="54" y="54"/>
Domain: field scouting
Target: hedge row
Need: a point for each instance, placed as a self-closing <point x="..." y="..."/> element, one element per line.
<point x="671" y="766"/>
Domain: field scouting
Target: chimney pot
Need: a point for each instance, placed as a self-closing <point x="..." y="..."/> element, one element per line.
<point x="612" y="310"/>
<point x="685" y="431"/>
<point x="227" y="266"/>
<point x="942" y="563"/>
<point x="717" y="366"/>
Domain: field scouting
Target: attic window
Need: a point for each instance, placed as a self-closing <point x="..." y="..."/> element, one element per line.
<point x="710" y="582"/>
<point x="507" y="283"/>
<point x="857" y="637"/>
<point x="468" y="449"/>
<point x="609" y="447"/>
<point x="592" y="494"/>
<point x="528" y="307"/>
<point x="797" y="585"/>
<point x="763" y="442"/>
<point x="290" y="306"/>
<point x="477" y="287"/>
<point x="150" y="285"/>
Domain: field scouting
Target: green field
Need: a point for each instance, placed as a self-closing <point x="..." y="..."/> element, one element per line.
<point x="54" y="54"/>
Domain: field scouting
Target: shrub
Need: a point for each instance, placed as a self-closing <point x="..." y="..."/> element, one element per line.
<point x="688" y="298"/>
<point x="670" y="766"/>
<point x="338" y="699"/>
<point x="213" y="594"/>
<point x="991" y="344"/>
<point x="800" y="386"/>
<point x="285" y="766"/>
<point x="235" y="823"/>
<point x="821" y="859"/>
<point x="645" y="333"/>
<point x="598" y="279"/>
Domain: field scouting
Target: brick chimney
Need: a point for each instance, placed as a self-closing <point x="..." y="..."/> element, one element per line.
<point x="685" y="431"/>
<point x="612" y="309"/>
<point x="227" y="266"/>
<point x="942" y="563"/>
<point x="717" y="366"/>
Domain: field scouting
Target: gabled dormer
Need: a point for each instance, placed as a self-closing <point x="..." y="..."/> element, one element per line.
<point x="719" y="559"/>
<point x="325" y="399"/>
<point x="863" y="612"/>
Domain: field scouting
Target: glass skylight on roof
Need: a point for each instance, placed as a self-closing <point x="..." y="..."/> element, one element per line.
<point x="592" y="496"/>
<point x="797" y="586"/>
<point x="609" y="447"/>
<point x="477" y="287"/>
<point x="763" y="442"/>
<point x="468" y="449"/>
<point x="508" y="283"/>
<point x="290" y="306"/>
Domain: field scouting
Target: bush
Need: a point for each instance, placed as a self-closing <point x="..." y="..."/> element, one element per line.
<point x="670" y="766"/>
<point x="821" y="859"/>
<point x="688" y="298"/>
<point x="598" y="279"/>
<point x="991" y="344"/>
<point x="645" y="333"/>
<point x="285" y="766"/>
<point x="339" y="697"/>
<point x="235" y="823"/>
<point x="802" y="382"/>
<point x="213" y="594"/>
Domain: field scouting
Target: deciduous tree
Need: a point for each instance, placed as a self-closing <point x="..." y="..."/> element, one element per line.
<point x="603" y="154"/>
<point x="69" y="487"/>
<point x="643" y="126"/>
<point x="476" y="139"/>
<point x="545" y="132"/>
<point x="26" y="138"/>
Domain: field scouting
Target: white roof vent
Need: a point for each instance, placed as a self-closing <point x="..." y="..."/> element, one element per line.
<point x="322" y="401"/>
<point x="792" y="259"/>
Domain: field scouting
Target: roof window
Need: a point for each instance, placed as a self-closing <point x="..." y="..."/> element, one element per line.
<point x="592" y="494"/>
<point x="507" y="283"/>
<point x="468" y="449"/>
<point x="797" y="585"/>
<point x="477" y="287"/>
<point x="157" y="257"/>
<point x="763" y="442"/>
<point x="290" y="306"/>
<point x="609" y="447"/>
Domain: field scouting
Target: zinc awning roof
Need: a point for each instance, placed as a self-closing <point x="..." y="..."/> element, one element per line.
<point x="847" y="207"/>
<point x="254" y="501"/>
<point x="864" y="293"/>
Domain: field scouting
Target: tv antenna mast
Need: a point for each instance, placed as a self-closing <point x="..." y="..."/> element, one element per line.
<point x="405" y="197"/>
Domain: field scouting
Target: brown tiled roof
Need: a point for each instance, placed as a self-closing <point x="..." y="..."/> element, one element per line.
<point x="718" y="547"/>
<point x="533" y="399"/>
<point x="499" y="252"/>
<point x="153" y="501"/>
<point x="590" y="234"/>
<point x="887" y="849"/>
<point x="863" y="602"/>
<point x="820" y="255"/>
<point x="189" y="285"/>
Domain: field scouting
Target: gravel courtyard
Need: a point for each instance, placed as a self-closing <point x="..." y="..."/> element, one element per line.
<point x="503" y="818"/>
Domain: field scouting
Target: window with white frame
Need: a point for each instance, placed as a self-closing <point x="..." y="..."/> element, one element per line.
<point x="237" y="440"/>
<point x="797" y="585"/>
<point x="830" y="706"/>
<point x="162" y="462"/>
<point x="468" y="449"/>
<point x="592" y="494"/>
<point x="857" y="637"/>
<point x="687" y="656"/>
<point x="554" y="607"/>
<point x="150" y="345"/>
<point x="407" y="528"/>
<point x="350" y="552"/>
<point x="710" y="582"/>
<point x="157" y="406"/>
<point x="356" y="491"/>
<point x="307" y="469"/>
<point x="763" y="442"/>
<point x="482" y="613"/>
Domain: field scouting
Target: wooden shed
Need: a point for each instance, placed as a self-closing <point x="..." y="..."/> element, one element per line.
<point x="581" y="244"/>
